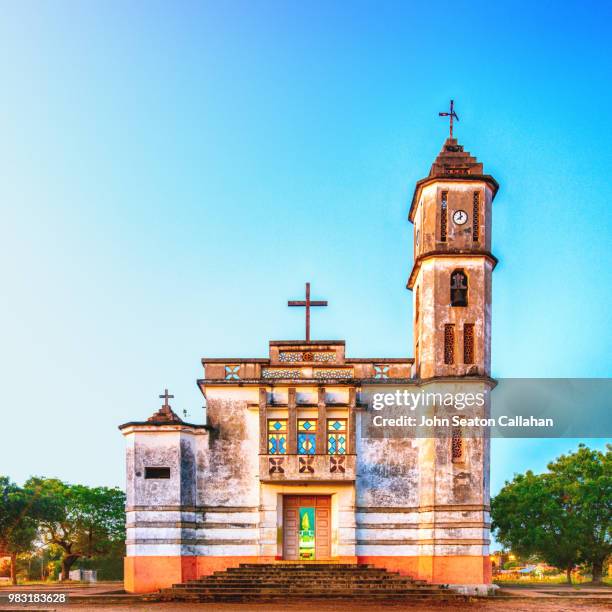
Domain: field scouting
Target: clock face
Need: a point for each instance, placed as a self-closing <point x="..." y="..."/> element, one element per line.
<point x="460" y="217"/>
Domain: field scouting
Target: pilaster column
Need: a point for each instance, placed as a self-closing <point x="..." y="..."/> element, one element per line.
<point x="352" y="403"/>
<point x="321" y="439"/>
<point x="291" y="422"/>
<point x="263" y="421"/>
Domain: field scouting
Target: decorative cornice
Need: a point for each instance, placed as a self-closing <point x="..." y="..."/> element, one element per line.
<point x="307" y="342"/>
<point x="168" y="426"/>
<point x="486" y="178"/>
<point x="446" y="254"/>
<point x="206" y="360"/>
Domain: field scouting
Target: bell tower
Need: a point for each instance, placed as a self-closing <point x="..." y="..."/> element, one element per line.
<point x="453" y="264"/>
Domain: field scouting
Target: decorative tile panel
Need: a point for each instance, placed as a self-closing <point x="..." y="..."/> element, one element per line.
<point x="307" y="468"/>
<point x="232" y="372"/>
<point x="281" y="373"/>
<point x="381" y="371"/>
<point x="306" y="465"/>
<point x="332" y="373"/>
<point x="299" y="356"/>
<point x="336" y="464"/>
<point x="276" y="466"/>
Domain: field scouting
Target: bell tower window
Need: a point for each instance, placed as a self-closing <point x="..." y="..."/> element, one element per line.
<point x="449" y="344"/>
<point x="443" y="216"/>
<point x="476" y="217"/>
<point x="457" y="446"/>
<point x="458" y="288"/>
<point x="468" y="343"/>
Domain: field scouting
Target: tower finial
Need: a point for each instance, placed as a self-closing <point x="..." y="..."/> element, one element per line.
<point x="451" y="115"/>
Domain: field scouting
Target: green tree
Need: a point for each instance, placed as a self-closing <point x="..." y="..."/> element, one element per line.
<point x="81" y="521"/>
<point x="17" y="525"/>
<point x="529" y="516"/>
<point x="563" y="515"/>
<point x="585" y="477"/>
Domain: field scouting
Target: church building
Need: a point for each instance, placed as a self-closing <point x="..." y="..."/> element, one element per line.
<point x="281" y="472"/>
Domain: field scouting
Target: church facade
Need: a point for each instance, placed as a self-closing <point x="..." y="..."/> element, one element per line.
<point x="281" y="471"/>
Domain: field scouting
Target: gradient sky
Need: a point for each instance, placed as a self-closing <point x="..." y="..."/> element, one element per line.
<point x="172" y="173"/>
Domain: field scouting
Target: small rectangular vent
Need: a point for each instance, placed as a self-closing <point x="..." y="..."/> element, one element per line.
<point x="157" y="472"/>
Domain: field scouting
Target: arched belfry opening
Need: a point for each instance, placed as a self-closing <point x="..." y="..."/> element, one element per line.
<point x="459" y="288"/>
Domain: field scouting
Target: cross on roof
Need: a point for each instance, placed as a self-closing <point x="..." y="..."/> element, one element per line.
<point x="166" y="396"/>
<point x="451" y="115"/>
<point x="307" y="303"/>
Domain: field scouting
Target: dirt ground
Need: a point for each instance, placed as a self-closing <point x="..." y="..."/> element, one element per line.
<point x="549" y="598"/>
<point x="492" y="605"/>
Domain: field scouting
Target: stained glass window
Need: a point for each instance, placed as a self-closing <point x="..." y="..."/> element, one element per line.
<point x="277" y="436"/>
<point x="307" y="433"/>
<point x="336" y="436"/>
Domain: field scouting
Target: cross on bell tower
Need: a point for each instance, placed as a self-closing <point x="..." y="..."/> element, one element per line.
<point x="451" y="115"/>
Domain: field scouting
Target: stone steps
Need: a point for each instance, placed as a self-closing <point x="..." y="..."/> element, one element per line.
<point x="290" y="565"/>
<point x="314" y="578"/>
<point x="298" y="581"/>
<point x="293" y="583"/>
<point x="282" y="581"/>
<point x="288" y="596"/>
<point x="392" y="584"/>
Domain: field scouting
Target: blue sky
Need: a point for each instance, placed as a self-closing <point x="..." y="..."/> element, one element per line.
<point x="173" y="173"/>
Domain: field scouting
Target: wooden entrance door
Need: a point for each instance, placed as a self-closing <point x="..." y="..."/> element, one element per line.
<point x="299" y="512"/>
